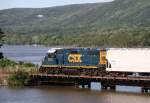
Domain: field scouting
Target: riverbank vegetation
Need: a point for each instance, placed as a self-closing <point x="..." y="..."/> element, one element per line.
<point x="18" y="78"/>
<point x="9" y="65"/>
<point x="127" y="37"/>
<point x="16" y="73"/>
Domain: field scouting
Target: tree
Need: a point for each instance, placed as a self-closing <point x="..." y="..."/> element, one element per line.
<point x="1" y="34"/>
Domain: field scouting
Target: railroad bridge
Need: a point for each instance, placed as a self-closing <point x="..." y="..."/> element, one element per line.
<point x="107" y="82"/>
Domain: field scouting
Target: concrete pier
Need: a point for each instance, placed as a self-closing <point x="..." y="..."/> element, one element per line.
<point x="89" y="85"/>
<point x="85" y="84"/>
<point x="145" y="89"/>
<point x="105" y="86"/>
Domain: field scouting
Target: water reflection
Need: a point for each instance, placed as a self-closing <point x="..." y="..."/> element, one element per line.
<point x="68" y="95"/>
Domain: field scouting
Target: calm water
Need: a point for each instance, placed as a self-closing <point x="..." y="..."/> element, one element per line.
<point x="27" y="53"/>
<point x="68" y="95"/>
<point x="51" y="94"/>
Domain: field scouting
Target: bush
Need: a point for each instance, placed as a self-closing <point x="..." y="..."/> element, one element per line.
<point x="29" y="65"/>
<point x="6" y="62"/>
<point x="18" y="72"/>
<point x="18" y="78"/>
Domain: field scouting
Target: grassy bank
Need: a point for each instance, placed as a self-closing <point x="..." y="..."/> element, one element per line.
<point x="15" y="73"/>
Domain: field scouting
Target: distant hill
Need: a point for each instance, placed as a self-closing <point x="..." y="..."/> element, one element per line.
<point x="79" y="19"/>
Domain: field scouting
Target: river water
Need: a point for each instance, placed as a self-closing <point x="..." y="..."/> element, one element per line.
<point x="55" y="94"/>
<point x="26" y="53"/>
<point x="68" y="95"/>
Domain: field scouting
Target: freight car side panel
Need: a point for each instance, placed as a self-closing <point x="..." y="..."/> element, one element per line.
<point x="129" y="60"/>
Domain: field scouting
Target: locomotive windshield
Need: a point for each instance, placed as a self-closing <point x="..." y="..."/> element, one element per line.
<point x="52" y="52"/>
<point x="51" y="55"/>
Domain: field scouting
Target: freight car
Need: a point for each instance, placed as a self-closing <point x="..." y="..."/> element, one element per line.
<point x="75" y="61"/>
<point x="135" y="61"/>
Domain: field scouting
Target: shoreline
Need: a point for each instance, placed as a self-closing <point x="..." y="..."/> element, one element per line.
<point x="4" y="75"/>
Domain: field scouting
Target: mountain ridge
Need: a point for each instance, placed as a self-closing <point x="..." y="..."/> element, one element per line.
<point x="106" y="21"/>
<point x="78" y="16"/>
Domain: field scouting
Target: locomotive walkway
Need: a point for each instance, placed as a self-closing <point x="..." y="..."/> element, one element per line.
<point x="107" y="82"/>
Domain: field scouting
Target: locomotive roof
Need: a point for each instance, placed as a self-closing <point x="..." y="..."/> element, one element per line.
<point x="53" y="50"/>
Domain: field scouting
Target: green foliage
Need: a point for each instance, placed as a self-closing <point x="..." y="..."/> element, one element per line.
<point x="124" y="37"/>
<point x="76" y="19"/>
<point x="4" y="62"/>
<point x="28" y="64"/>
<point x="18" y="72"/>
<point x="121" y="23"/>
<point x="1" y="36"/>
<point x="1" y="32"/>
<point x="19" y="78"/>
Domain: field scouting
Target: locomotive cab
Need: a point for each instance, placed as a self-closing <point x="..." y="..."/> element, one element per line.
<point x="50" y="58"/>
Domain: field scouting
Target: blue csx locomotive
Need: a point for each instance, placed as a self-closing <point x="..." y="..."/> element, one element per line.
<point x="74" y="61"/>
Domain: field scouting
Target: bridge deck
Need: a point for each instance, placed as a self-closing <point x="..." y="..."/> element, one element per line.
<point x="144" y="78"/>
<point x="109" y="80"/>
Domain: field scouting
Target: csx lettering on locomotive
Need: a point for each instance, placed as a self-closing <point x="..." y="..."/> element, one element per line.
<point x="75" y="58"/>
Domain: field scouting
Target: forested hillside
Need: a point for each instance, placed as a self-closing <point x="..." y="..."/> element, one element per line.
<point x="121" y="23"/>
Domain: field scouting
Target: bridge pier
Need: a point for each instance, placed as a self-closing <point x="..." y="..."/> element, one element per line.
<point x="89" y="85"/>
<point x="113" y="87"/>
<point x="76" y="85"/>
<point x="86" y="85"/>
<point x="144" y="90"/>
<point x="106" y="86"/>
<point x="83" y="86"/>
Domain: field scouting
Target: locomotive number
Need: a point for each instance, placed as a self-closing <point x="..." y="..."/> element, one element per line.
<point x="75" y="58"/>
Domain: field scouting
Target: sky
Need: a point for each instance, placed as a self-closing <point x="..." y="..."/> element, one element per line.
<point x="5" y="4"/>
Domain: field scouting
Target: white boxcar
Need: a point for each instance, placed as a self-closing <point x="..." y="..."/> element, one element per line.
<point x="129" y="59"/>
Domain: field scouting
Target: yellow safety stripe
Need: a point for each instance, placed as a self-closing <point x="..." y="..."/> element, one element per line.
<point x="92" y="67"/>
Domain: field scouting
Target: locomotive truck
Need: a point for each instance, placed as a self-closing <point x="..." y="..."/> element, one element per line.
<point x="97" y="62"/>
